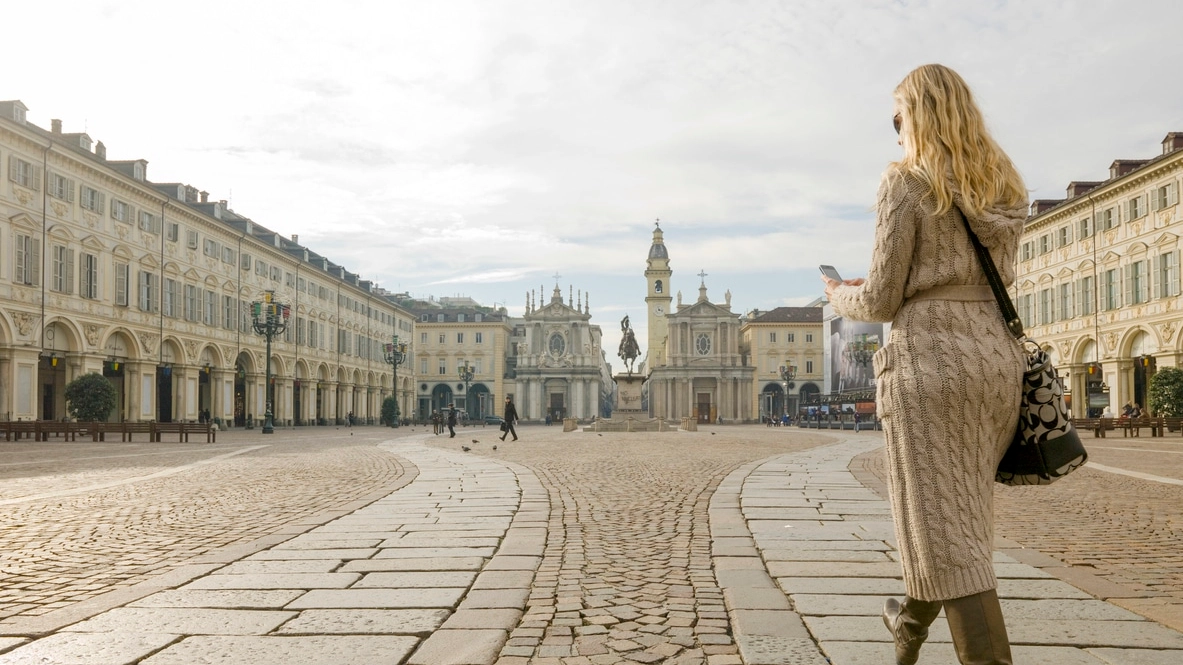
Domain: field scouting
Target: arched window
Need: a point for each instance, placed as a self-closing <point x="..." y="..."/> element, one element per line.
<point x="657" y="286"/>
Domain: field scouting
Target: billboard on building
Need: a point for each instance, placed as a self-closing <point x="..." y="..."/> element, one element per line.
<point x="849" y="348"/>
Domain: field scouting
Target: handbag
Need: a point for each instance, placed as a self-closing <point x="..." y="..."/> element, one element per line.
<point x="504" y="426"/>
<point x="1046" y="446"/>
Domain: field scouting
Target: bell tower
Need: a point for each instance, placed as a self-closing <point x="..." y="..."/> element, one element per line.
<point x="657" y="299"/>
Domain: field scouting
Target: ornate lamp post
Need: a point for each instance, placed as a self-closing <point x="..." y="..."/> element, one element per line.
<point x="396" y="354"/>
<point x="787" y="374"/>
<point x="465" y="373"/>
<point x="270" y="318"/>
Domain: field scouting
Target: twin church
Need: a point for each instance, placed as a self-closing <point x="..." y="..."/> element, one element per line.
<point x="694" y="363"/>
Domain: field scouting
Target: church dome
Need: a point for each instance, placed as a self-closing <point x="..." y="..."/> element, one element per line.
<point x="657" y="251"/>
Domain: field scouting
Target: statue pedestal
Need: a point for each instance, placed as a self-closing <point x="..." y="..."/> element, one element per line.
<point x="628" y="396"/>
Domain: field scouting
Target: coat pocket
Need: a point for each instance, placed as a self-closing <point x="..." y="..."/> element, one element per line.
<point x="882" y="360"/>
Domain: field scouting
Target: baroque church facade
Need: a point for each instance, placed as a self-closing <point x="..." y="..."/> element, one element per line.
<point x="696" y="367"/>
<point x="557" y="363"/>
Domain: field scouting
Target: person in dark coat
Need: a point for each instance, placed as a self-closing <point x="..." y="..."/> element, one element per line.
<point x="511" y="414"/>
<point x="451" y="421"/>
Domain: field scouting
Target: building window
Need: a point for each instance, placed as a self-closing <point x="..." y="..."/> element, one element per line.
<point x="170" y="298"/>
<point x="276" y="273"/>
<point x="23" y="173"/>
<point x="1106" y="219"/>
<point x="460" y="318"/>
<point x="93" y="200"/>
<point x="1111" y="294"/>
<point x="149" y="222"/>
<point x="211" y="248"/>
<point x="121" y="211"/>
<point x="1045" y="243"/>
<point x="289" y="279"/>
<point x="809" y="367"/>
<point x="88" y="265"/>
<point x="1045" y="307"/>
<point x="1087" y="296"/>
<point x="192" y="303"/>
<point x="228" y="255"/>
<point x="1137" y="207"/>
<point x="122" y="275"/>
<point x="480" y="338"/>
<point x="1027" y="251"/>
<point x="772" y="338"/>
<point x="423" y="366"/>
<point x="422" y="338"/>
<point x="1064" y="236"/>
<point x="1138" y="282"/>
<point x="1026" y="307"/>
<point x="808" y="337"/>
<point x="28" y="260"/>
<point x="443" y="367"/>
<point x="792" y="337"/>
<point x="1087" y="227"/>
<point x="1164" y="197"/>
<point x="459" y="338"/>
<point x="443" y="338"/>
<point x="149" y="287"/>
<point x="62" y="274"/>
<point x="210" y="317"/>
<point x="1065" y="302"/>
<point x="61" y="187"/>
<point x="1168" y="275"/>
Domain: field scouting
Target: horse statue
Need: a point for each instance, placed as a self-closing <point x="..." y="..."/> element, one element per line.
<point x="629" y="349"/>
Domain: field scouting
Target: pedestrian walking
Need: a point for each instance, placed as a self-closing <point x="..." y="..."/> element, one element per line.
<point x="949" y="365"/>
<point x="451" y="421"/>
<point x="511" y="415"/>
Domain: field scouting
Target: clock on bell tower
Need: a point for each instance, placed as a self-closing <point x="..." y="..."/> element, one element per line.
<point x="657" y="299"/>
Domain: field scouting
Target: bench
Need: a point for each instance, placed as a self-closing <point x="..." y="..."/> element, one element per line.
<point x="1131" y="426"/>
<point x="183" y="430"/>
<point x="1098" y="426"/>
<point x="40" y="430"/>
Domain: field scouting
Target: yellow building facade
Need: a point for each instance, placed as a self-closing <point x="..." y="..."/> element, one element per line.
<point x="784" y="337"/>
<point x="448" y="338"/>
<point x="1099" y="279"/>
<point x="103" y="270"/>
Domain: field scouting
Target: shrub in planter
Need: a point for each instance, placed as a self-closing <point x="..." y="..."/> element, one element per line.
<point x="90" y="398"/>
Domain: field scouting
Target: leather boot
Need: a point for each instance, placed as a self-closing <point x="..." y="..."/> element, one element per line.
<point x="908" y="623"/>
<point x="979" y="632"/>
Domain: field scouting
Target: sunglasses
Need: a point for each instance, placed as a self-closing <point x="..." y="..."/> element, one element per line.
<point x="896" y="121"/>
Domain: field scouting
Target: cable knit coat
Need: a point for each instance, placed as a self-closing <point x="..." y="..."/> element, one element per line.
<point x="947" y="381"/>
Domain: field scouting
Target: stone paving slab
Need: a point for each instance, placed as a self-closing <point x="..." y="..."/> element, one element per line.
<point x="276" y="581"/>
<point x="228" y="599"/>
<point x="355" y="621"/>
<point x="1137" y="656"/>
<point x="283" y="650"/>
<point x="181" y="621"/>
<point x="89" y="648"/>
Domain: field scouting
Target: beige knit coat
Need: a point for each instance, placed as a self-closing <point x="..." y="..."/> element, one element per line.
<point x="947" y="381"/>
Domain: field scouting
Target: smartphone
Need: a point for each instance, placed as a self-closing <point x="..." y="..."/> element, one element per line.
<point x="830" y="272"/>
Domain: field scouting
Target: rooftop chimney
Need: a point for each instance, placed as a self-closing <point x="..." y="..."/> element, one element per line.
<point x="55" y="126"/>
<point x="205" y="197"/>
<point x="100" y="150"/>
<point x="295" y="239"/>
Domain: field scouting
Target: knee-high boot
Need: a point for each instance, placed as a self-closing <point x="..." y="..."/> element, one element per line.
<point x="908" y="622"/>
<point x="979" y="632"/>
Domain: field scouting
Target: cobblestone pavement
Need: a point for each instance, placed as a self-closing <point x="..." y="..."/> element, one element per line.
<point x="81" y="519"/>
<point x="627" y="572"/>
<point x="1118" y="536"/>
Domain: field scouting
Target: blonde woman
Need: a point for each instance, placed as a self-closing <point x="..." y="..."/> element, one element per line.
<point x="948" y="378"/>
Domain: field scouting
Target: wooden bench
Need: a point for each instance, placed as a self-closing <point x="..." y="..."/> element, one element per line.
<point x="1132" y="426"/>
<point x="1098" y="426"/>
<point x="183" y="430"/>
<point x="41" y="430"/>
<point x="1172" y="424"/>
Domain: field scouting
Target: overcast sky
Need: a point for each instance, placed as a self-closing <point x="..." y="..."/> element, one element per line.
<point x="479" y="148"/>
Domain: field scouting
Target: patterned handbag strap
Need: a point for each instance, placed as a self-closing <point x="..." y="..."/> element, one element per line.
<point x="1009" y="315"/>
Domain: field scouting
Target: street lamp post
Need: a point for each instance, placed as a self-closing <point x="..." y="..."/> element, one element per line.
<point x="270" y="318"/>
<point x="465" y="372"/>
<point x="787" y="374"/>
<point x="396" y="354"/>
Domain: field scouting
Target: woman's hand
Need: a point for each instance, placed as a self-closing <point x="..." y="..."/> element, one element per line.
<point x="832" y="284"/>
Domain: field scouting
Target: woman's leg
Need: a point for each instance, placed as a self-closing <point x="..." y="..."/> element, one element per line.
<point x="908" y="622"/>
<point x="979" y="632"/>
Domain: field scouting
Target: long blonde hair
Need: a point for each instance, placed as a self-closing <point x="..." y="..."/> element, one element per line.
<point x="946" y="134"/>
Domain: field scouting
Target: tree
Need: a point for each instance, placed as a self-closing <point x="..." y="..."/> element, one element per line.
<point x="90" y="398"/>
<point x="1166" y="393"/>
<point x="390" y="411"/>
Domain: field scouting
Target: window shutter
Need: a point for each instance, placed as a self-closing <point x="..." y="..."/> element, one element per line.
<point x="70" y="191"/>
<point x="1128" y="285"/>
<point x="36" y="261"/>
<point x="1174" y="276"/>
<point x="12" y="168"/>
<point x="69" y="271"/>
<point x="1078" y="293"/>
<point x="1172" y="194"/>
<point x="1154" y="200"/>
<point x="1155" y="275"/>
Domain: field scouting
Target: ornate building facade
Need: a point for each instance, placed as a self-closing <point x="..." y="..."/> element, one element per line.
<point x="1099" y="279"/>
<point x="103" y="270"/>
<point x="559" y="368"/>
<point x="695" y="365"/>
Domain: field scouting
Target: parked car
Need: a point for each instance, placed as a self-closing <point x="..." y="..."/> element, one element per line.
<point x="491" y="419"/>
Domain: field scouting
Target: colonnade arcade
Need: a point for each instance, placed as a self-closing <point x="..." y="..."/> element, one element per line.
<point x="1128" y="360"/>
